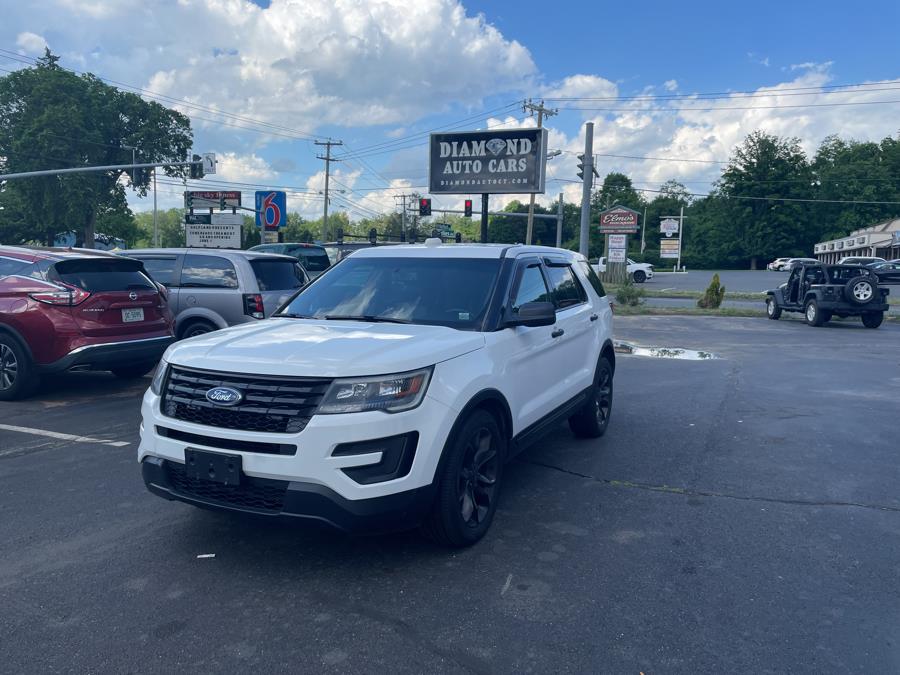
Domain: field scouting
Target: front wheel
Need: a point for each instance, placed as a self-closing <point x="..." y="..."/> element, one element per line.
<point x="872" y="319"/>
<point x="814" y="317"/>
<point x="773" y="311"/>
<point x="469" y="483"/>
<point x="593" y="418"/>
<point x="640" y="276"/>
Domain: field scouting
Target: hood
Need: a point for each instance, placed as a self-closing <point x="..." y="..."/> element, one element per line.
<point x="319" y="348"/>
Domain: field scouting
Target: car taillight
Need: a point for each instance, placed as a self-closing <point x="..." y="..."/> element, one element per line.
<point x="253" y="306"/>
<point x="71" y="297"/>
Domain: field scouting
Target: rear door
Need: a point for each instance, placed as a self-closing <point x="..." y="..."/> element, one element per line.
<point x="211" y="281"/>
<point x="122" y="300"/>
<point x="278" y="279"/>
<point x="165" y="269"/>
<point x="578" y="353"/>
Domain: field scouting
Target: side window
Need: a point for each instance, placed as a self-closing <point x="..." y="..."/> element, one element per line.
<point x="592" y="277"/>
<point x="532" y="287"/>
<point x="161" y="269"/>
<point x="565" y="289"/>
<point x="208" y="271"/>
<point x="11" y="266"/>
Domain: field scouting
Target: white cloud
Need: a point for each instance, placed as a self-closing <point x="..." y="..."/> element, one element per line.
<point x="243" y="168"/>
<point x="671" y="85"/>
<point x="31" y="43"/>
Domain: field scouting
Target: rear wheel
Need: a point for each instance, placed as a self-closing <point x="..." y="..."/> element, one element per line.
<point x="773" y="311"/>
<point x="640" y="276"/>
<point x="195" y="328"/>
<point x="814" y="317"/>
<point x="469" y="484"/>
<point x="872" y="319"/>
<point x="18" y="378"/>
<point x="134" y="371"/>
<point x="591" y="421"/>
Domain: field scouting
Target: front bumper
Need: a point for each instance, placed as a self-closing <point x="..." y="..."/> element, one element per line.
<point x="291" y="499"/>
<point x="111" y="355"/>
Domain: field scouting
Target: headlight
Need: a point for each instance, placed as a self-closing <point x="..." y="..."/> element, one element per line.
<point x="390" y="393"/>
<point x="158" y="377"/>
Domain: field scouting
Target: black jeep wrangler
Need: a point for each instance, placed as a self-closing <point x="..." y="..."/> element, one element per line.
<point x="822" y="291"/>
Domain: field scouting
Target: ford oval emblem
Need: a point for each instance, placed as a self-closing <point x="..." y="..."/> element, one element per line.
<point x="224" y="396"/>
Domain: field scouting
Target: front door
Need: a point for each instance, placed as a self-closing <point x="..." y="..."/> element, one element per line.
<point x="792" y="292"/>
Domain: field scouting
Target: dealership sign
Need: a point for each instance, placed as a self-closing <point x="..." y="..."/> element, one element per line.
<point x="619" y="220"/>
<point x="508" y="161"/>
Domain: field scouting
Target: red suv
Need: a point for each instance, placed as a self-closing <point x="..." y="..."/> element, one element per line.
<point x="75" y="309"/>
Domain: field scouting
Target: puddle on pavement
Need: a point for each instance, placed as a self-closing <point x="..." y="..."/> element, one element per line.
<point x="664" y="352"/>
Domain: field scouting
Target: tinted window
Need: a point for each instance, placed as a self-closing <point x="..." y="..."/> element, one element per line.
<point x="277" y="275"/>
<point x="99" y="274"/>
<point x="161" y="269"/>
<point x="312" y="258"/>
<point x="532" y="287"/>
<point x="11" y="266"/>
<point x="445" y="292"/>
<point x="208" y="271"/>
<point x="841" y="275"/>
<point x="593" y="279"/>
<point x="564" y="287"/>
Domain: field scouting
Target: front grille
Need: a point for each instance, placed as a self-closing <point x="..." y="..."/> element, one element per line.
<point x="227" y="443"/>
<point x="253" y="493"/>
<point x="270" y="404"/>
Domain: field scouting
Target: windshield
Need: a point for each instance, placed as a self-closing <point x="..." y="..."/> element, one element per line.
<point x="277" y="275"/>
<point x="312" y="258"/>
<point x="434" y="291"/>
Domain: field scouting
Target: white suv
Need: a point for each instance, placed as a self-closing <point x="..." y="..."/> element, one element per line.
<point x="389" y="392"/>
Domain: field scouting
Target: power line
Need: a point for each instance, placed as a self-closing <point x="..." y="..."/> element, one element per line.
<point x="718" y="108"/>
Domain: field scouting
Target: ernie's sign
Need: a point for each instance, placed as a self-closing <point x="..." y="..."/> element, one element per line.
<point x="619" y="220"/>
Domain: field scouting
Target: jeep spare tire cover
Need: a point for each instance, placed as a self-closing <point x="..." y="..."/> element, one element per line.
<point x="860" y="290"/>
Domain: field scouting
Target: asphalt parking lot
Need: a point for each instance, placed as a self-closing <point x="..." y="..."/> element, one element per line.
<point x="741" y="515"/>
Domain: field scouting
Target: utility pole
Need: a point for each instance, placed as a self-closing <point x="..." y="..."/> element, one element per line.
<point x="328" y="160"/>
<point x="155" y="223"/>
<point x="588" y="181"/>
<point x="402" y="216"/>
<point x="643" y="230"/>
<point x="541" y="111"/>
<point x="559" y="221"/>
<point x="680" y="236"/>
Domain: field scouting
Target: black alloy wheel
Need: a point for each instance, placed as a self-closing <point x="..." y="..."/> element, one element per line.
<point x="593" y="417"/>
<point x="640" y="276"/>
<point x="477" y="480"/>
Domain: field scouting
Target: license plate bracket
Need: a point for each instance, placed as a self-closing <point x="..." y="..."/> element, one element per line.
<point x="216" y="467"/>
<point x="133" y="315"/>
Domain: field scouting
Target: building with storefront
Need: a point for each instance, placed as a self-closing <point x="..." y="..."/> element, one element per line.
<point x="881" y="240"/>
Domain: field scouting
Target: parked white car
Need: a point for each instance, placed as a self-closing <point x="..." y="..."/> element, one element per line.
<point x="777" y="264"/>
<point x="640" y="272"/>
<point x="389" y="392"/>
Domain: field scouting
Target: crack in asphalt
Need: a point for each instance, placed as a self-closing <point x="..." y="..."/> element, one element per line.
<point x="708" y="493"/>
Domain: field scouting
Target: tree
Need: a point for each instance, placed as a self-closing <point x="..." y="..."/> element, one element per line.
<point x="617" y="190"/>
<point x="52" y="118"/>
<point x="762" y="170"/>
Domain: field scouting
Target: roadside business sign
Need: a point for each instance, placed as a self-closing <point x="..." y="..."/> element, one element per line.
<point x="669" y="226"/>
<point x="205" y="199"/>
<point x="619" y="220"/>
<point x="618" y="241"/>
<point x="669" y="248"/>
<point x="217" y="230"/>
<point x="505" y="161"/>
<point x="271" y="209"/>
<point x="616" y="255"/>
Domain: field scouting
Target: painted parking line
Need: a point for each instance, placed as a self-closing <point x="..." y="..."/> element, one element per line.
<point x="61" y="436"/>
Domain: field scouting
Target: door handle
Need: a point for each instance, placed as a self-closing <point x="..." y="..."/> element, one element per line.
<point x="557" y="333"/>
<point x="594" y="317"/>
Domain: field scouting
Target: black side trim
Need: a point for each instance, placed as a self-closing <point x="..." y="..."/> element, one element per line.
<point x="534" y="432"/>
<point x="227" y="443"/>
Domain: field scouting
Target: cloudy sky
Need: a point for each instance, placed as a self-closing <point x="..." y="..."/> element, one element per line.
<point x="670" y="87"/>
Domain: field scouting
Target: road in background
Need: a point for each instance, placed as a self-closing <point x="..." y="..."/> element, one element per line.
<point x="740" y="515"/>
<point x="743" y="281"/>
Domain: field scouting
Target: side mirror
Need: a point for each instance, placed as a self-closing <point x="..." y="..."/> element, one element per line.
<point x="533" y="314"/>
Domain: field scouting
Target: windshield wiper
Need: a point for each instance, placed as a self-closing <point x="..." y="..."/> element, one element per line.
<point x="288" y="315"/>
<point x="365" y="317"/>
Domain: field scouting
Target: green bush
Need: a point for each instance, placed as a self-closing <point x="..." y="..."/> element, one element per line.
<point x="629" y="294"/>
<point x="714" y="295"/>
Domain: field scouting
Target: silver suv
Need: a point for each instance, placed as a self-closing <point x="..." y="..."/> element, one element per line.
<point x="211" y="289"/>
<point x="313" y="257"/>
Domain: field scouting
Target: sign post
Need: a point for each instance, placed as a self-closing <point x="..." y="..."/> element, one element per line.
<point x="670" y="247"/>
<point x="617" y="223"/>
<point x="271" y="213"/>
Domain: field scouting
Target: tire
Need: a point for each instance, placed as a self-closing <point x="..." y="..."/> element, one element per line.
<point x="639" y="276"/>
<point x="593" y="418"/>
<point x="18" y="378"/>
<point x="133" y="371"/>
<point x="811" y="312"/>
<point x="194" y="328"/>
<point x="469" y="483"/>
<point x="872" y="319"/>
<point x="860" y="290"/>
<point x="773" y="311"/>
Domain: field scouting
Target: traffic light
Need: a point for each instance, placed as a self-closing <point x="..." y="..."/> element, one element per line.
<point x="424" y="207"/>
<point x="340" y="236"/>
<point x="581" y="166"/>
<point x="459" y="237"/>
<point x="221" y="201"/>
<point x="468" y="208"/>
<point x="373" y="236"/>
<point x="188" y="200"/>
<point x="196" y="167"/>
